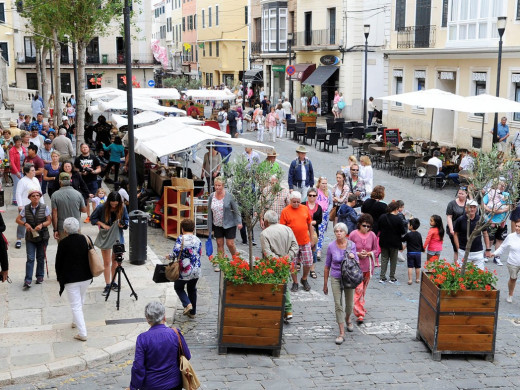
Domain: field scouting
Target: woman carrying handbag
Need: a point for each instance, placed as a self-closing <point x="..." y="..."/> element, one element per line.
<point x="73" y="272"/>
<point x="156" y="362"/>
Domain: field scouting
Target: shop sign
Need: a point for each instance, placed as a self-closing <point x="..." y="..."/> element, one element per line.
<point x="278" y="68"/>
<point x="329" y="60"/>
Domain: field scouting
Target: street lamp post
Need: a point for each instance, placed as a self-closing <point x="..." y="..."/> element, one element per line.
<point x="244" y="75"/>
<point x="289" y="41"/>
<point x="366" y="30"/>
<point x="501" y="26"/>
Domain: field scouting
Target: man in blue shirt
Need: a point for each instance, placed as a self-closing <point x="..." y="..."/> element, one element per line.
<point x="502" y="134"/>
<point x="301" y="173"/>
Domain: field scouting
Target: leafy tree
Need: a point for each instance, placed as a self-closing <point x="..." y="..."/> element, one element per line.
<point x="247" y="183"/>
<point x="489" y="170"/>
<point x="87" y="19"/>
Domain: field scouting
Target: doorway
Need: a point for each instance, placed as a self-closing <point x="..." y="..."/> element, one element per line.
<point x="444" y="120"/>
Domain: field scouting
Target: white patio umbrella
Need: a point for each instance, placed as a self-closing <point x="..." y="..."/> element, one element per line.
<point x="210" y="94"/>
<point x="485" y="103"/>
<point x="144" y="104"/>
<point x="429" y="98"/>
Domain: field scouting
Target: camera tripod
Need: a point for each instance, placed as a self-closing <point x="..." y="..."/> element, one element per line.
<point x="119" y="269"/>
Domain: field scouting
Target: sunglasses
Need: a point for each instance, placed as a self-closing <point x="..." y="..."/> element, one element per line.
<point x="312" y="196"/>
<point x="463" y="188"/>
<point x="354" y="170"/>
<point x="366" y="226"/>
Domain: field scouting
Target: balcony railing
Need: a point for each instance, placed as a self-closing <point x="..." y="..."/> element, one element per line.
<point x="256" y="47"/>
<point x="324" y="37"/>
<point x="413" y="37"/>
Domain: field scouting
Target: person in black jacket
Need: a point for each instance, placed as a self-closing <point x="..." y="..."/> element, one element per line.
<point x="4" y="259"/>
<point x="73" y="272"/>
<point x="375" y="206"/>
<point x="391" y="230"/>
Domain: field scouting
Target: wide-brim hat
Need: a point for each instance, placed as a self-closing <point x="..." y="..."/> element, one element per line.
<point x="13" y="123"/>
<point x="272" y="153"/>
<point x="301" y="149"/>
<point x="33" y="191"/>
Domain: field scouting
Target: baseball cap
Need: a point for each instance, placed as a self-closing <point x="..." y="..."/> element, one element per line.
<point x="64" y="176"/>
<point x="64" y="118"/>
<point x="48" y="141"/>
<point x="472" y="203"/>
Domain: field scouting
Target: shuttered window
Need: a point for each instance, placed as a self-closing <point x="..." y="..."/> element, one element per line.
<point x="400" y="13"/>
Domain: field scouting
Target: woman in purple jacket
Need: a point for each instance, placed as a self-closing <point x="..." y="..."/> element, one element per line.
<point x="335" y="253"/>
<point x="156" y="363"/>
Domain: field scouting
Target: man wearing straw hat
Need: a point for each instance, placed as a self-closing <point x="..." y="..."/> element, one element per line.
<point x="301" y="173"/>
<point x="270" y="163"/>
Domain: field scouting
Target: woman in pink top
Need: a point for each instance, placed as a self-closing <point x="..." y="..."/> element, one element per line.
<point x="325" y="201"/>
<point x="434" y="239"/>
<point x="270" y="122"/>
<point x="335" y="109"/>
<point x="367" y="250"/>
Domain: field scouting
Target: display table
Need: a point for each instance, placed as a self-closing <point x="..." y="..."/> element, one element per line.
<point x="178" y="205"/>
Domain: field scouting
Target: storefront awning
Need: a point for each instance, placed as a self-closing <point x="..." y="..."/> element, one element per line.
<point x="254" y="76"/>
<point x="302" y="72"/>
<point x="321" y="75"/>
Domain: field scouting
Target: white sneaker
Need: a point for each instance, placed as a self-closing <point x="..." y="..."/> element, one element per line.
<point x="497" y="261"/>
<point x="509" y="299"/>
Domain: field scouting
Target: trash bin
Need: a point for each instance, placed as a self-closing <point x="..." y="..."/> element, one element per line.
<point x="138" y="242"/>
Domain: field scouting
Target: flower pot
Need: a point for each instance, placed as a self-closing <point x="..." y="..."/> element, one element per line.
<point x="463" y="322"/>
<point x="250" y="316"/>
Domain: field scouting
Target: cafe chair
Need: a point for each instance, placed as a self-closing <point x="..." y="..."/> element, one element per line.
<point x="291" y="128"/>
<point x="408" y="166"/>
<point x="332" y="141"/>
<point x="310" y="134"/>
<point x="321" y="137"/>
<point x="431" y="176"/>
<point x="330" y="124"/>
<point x="300" y="129"/>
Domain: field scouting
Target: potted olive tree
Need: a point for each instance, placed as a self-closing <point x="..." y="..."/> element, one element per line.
<point x="458" y="305"/>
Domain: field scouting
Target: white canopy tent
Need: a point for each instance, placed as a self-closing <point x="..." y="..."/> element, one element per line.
<point x="210" y="94"/>
<point x="157" y="93"/>
<point x="141" y="119"/>
<point x="104" y="94"/>
<point x="143" y="104"/>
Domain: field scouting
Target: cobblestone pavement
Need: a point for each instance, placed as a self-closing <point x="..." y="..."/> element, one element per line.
<point x="382" y="353"/>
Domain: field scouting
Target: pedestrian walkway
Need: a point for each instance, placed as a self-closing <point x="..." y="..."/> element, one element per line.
<point x="36" y="338"/>
<point x="383" y="353"/>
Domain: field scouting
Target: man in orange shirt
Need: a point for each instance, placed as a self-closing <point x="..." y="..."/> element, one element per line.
<point x="298" y="218"/>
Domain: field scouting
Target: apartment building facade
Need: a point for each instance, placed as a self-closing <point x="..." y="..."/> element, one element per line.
<point x="452" y="45"/>
<point x="221" y="33"/>
<point x="105" y="55"/>
<point x="7" y="74"/>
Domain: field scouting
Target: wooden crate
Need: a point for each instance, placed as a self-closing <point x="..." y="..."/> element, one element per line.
<point x="250" y="316"/>
<point x="461" y="323"/>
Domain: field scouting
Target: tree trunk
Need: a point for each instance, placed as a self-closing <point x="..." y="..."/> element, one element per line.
<point x="80" y="99"/>
<point x="45" y="80"/>
<point x="250" y="245"/>
<point x="57" y="77"/>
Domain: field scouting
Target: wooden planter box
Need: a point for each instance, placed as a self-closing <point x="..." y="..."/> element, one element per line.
<point x="460" y="323"/>
<point x="309" y="121"/>
<point x="250" y="316"/>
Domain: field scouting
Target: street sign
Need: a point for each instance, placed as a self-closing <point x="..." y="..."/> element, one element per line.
<point x="329" y="60"/>
<point x="151" y="83"/>
<point x="290" y="70"/>
<point x="278" y="68"/>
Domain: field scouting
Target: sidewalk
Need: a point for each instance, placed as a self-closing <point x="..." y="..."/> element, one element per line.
<point x="36" y="338"/>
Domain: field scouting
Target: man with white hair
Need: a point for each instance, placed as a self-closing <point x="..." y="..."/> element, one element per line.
<point x="278" y="241"/>
<point x="298" y="218"/>
<point x="63" y="145"/>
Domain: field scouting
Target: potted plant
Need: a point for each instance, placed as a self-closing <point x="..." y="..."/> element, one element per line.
<point x="251" y="302"/>
<point x="458" y="304"/>
<point x="257" y="285"/>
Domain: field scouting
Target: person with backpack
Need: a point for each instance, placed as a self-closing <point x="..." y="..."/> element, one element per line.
<point x="222" y="119"/>
<point x="338" y="250"/>
<point x="232" y="120"/>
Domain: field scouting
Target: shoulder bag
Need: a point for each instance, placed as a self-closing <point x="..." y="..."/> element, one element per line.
<point x="173" y="269"/>
<point x="159" y="274"/>
<point x="351" y="274"/>
<point x="189" y="377"/>
<point x="94" y="260"/>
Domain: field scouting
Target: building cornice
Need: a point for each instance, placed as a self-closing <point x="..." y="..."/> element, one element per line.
<point x="448" y="53"/>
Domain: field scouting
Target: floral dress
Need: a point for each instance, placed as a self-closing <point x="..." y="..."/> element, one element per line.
<point x="190" y="256"/>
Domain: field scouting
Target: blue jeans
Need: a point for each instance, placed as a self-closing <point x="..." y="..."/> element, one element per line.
<point x="191" y="297"/>
<point x="35" y="250"/>
<point x="454" y="177"/>
<point x="16" y="179"/>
